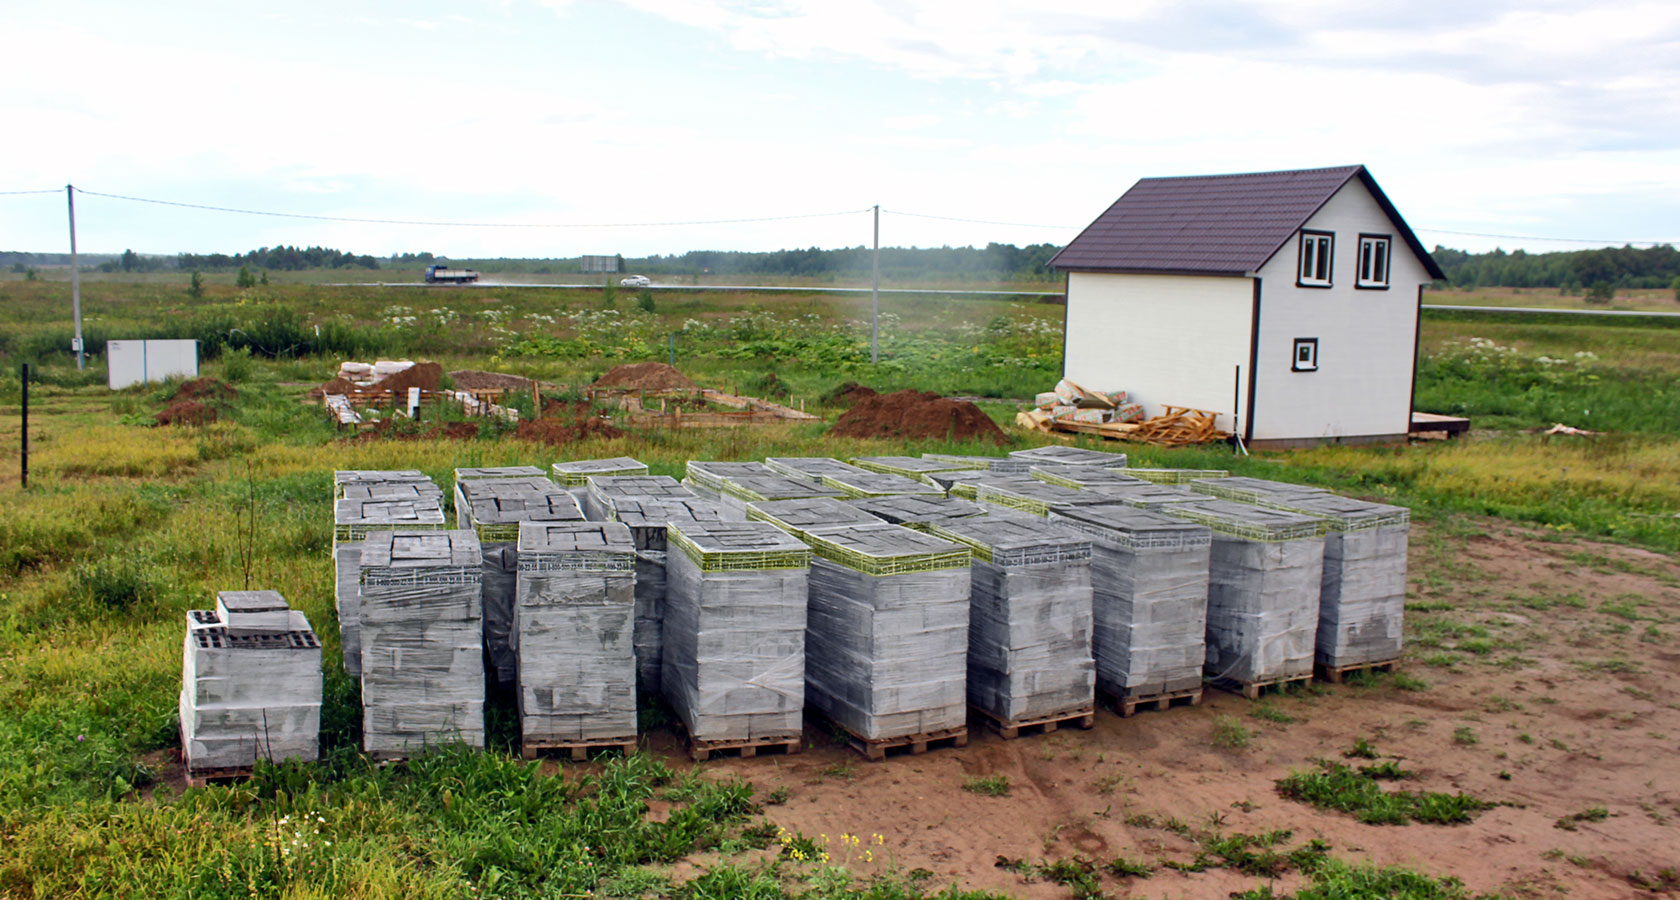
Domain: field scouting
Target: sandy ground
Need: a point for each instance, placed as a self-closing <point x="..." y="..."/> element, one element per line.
<point x="1570" y="696"/>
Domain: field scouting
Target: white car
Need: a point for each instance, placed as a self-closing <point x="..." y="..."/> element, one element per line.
<point x="637" y="281"/>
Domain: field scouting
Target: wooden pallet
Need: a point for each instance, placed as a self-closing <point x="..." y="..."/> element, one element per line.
<point x="1084" y="717"/>
<point x="1128" y="706"/>
<point x="700" y="751"/>
<point x="531" y="748"/>
<point x="1252" y="689"/>
<point x="1336" y="674"/>
<point x="203" y="777"/>
<point x="875" y="749"/>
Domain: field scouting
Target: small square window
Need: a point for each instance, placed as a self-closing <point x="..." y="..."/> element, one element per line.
<point x="1373" y="261"/>
<point x="1317" y="247"/>
<point x="1306" y="355"/>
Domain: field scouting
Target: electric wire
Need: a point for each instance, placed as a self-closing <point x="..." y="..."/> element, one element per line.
<point x="899" y="212"/>
<point x="16" y="193"/>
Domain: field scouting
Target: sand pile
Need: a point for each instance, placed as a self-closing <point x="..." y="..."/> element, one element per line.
<point x="913" y="414"/>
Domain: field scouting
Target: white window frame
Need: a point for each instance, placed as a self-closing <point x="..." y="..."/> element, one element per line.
<point x="1317" y="255"/>
<point x="1310" y="362"/>
<point x="1375" y="260"/>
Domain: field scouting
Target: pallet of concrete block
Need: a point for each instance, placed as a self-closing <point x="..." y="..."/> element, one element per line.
<point x="796" y="517"/>
<point x="1029" y="634"/>
<point x="1024" y="493"/>
<point x="918" y="468"/>
<point x="353" y="520"/>
<point x="422" y="642"/>
<point x="734" y="639"/>
<point x="1002" y="465"/>
<point x="348" y="482"/>
<point x="1062" y="454"/>
<point x="1263" y="587"/>
<point x="739" y="485"/>
<point x="707" y="478"/>
<point x="250" y="686"/>
<point x="1079" y="477"/>
<point x="1145" y="495"/>
<point x="648" y="521"/>
<point x="918" y="511"/>
<point x="966" y="485"/>
<point x="573" y="633"/>
<point x="1362" y="602"/>
<point x="1175" y="476"/>
<point x="1150" y="596"/>
<point x="887" y="636"/>
<point x="574" y="475"/>
<point x="850" y="480"/>
<point x="493" y="509"/>
<point x="1252" y="490"/>
<point x="603" y="491"/>
<point x="481" y="473"/>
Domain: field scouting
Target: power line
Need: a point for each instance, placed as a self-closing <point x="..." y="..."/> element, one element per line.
<point x="350" y="219"/>
<point x="16" y="193"/>
<point x="898" y="212"/>
<point x="1535" y="237"/>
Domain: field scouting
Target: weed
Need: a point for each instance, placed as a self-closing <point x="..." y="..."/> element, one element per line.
<point x="1268" y="712"/>
<point x="1408" y="683"/>
<point x="846" y="771"/>
<point x="1228" y="733"/>
<point x="1358" y="793"/>
<point x="1106" y="784"/>
<point x="988" y="785"/>
<point x="778" y="796"/>
<point x="1121" y="867"/>
<point x="1590" y="814"/>
<point x="1361" y="749"/>
<point x="1465" y="736"/>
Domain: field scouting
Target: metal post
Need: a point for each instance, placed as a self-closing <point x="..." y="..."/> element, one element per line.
<point x="75" y="275"/>
<point x="23" y="472"/>
<point x="875" y="294"/>
<point x="671" y="348"/>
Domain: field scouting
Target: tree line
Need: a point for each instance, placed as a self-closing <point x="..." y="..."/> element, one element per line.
<point x="281" y="258"/>
<point x="1610" y="268"/>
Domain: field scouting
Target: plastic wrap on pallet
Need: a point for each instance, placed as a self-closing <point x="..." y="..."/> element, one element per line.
<point x="1175" y="476"/>
<point x="1065" y="455"/>
<point x="1030" y="622"/>
<point x="604" y="490"/>
<point x="650" y="617"/>
<point x="1251" y="490"/>
<point x="802" y="515"/>
<point x="711" y="475"/>
<point x="1362" y="605"/>
<point x="353" y="519"/>
<point x="918" y="468"/>
<point x="422" y="641"/>
<point x="1079" y="476"/>
<point x="864" y="483"/>
<point x="915" y="510"/>
<point x="1047" y="399"/>
<point x="1149" y="575"/>
<point x="479" y="473"/>
<point x="886" y="655"/>
<point x="1265" y="571"/>
<point x="1145" y="495"/>
<point x="250" y="691"/>
<point x="574" y="626"/>
<point x="744" y="489"/>
<point x="733" y="654"/>
<point x="343" y="479"/>
<point x="392" y="491"/>
<point x="574" y="475"/>
<point x="966" y="485"/>
<point x="809" y="466"/>
<point x="1002" y="465"/>
<point x="1030" y="495"/>
<point x="648" y="519"/>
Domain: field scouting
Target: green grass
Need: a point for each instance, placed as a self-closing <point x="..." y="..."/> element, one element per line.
<point x="1359" y="792"/>
<point x="987" y="785"/>
<point x="1228" y="733"/>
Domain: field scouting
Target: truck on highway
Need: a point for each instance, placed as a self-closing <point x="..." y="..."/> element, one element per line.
<point x="441" y="274"/>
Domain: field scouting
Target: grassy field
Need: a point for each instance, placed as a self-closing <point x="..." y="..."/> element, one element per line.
<point x="125" y="526"/>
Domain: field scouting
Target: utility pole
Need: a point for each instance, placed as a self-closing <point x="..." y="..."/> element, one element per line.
<point x="875" y="293"/>
<point x="75" y="275"/>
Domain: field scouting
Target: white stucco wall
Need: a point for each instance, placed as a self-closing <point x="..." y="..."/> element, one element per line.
<point x="1165" y="338"/>
<point x="1366" y="338"/>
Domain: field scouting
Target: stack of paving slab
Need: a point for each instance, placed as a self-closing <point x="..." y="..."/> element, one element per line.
<point x="886" y="643"/>
<point x="734" y="640"/>
<point x="250" y="685"/>
<point x="799" y="516"/>
<point x="1252" y="490"/>
<point x="966" y="485"/>
<point x="1024" y="493"/>
<point x="918" y="511"/>
<point x="605" y="490"/>
<point x="1362" y="602"/>
<point x="1030" y="622"/>
<point x="1061" y="454"/>
<point x="1080" y="476"/>
<point x="1150" y="597"/>
<point x="422" y="642"/>
<point x="1145" y="495"/>
<point x="480" y="473"/>
<point x="1002" y="465"/>
<point x="647" y="521"/>
<point x="920" y="468"/>
<point x="1265" y="568"/>
<point x="1175" y="476"/>
<point x="367" y="505"/>
<point x="849" y="479"/>
<point x="573" y="630"/>
<point x="574" y="476"/>
<point x="734" y="485"/>
<point x="346" y="480"/>
<point x="493" y="508"/>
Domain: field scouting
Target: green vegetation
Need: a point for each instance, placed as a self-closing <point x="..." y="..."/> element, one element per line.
<point x="1360" y="793"/>
<point x="988" y="785"/>
<point x="1612" y="267"/>
<point x="1228" y="733"/>
<point x="1591" y="814"/>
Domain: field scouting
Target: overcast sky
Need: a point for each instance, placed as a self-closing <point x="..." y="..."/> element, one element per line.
<point x="1537" y="118"/>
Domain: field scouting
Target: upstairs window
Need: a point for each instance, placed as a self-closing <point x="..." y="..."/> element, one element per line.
<point x="1373" y="261"/>
<point x="1316" y="249"/>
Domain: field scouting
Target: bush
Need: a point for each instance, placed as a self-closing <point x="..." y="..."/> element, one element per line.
<point x="196" y="289"/>
<point x="1601" y="292"/>
<point x="116" y="583"/>
<point x="236" y="366"/>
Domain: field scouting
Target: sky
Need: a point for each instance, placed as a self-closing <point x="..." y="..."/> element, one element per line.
<point x="556" y="128"/>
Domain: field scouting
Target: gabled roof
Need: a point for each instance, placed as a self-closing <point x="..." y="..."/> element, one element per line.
<point x="1215" y="224"/>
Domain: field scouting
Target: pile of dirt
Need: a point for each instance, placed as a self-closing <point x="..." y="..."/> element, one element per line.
<point x="196" y="402"/>
<point x="425" y="376"/>
<point x="558" y="432"/>
<point x="187" y="411"/>
<point x="914" y="414"/>
<point x="206" y="389"/>
<point x="849" y="394"/>
<point x="477" y="380"/>
<point x="648" y="376"/>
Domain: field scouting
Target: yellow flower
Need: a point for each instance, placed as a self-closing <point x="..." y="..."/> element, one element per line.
<point x="868" y="856"/>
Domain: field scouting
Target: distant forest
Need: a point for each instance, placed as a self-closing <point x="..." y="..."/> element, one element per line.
<point x="1571" y="270"/>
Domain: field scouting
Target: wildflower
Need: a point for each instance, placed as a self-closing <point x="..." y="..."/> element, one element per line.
<point x="81" y="737"/>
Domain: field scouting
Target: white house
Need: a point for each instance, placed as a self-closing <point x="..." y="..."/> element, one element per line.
<point x="1286" y="301"/>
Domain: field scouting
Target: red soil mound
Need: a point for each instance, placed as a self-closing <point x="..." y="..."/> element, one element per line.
<point x="560" y="431"/>
<point x="186" y="411"/>
<point x="205" y="388"/>
<point x="425" y="376"/>
<point x="648" y="376"/>
<point x="849" y="394"/>
<point x="912" y="414"/>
